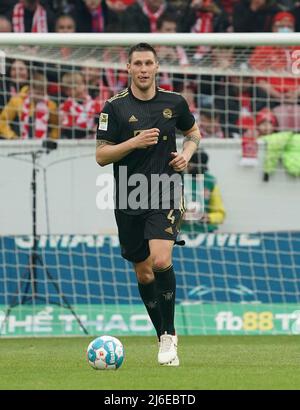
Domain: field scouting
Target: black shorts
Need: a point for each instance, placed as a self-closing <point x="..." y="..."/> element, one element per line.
<point x="136" y="230"/>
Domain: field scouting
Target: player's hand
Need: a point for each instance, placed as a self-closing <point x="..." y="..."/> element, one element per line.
<point x="146" y="138"/>
<point x="179" y="162"/>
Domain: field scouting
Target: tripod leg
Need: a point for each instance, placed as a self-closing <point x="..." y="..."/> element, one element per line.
<point x="33" y="273"/>
<point x="15" y="302"/>
<point x="64" y="299"/>
<point x="23" y="300"/>
<point x="6" y="316"/>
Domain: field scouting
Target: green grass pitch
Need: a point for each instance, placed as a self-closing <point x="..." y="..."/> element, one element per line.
<point x="207" y="362"/>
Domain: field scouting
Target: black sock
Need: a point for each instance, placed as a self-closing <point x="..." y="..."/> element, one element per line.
<point x="166" y="288"/>
<point x="149" y="296"/>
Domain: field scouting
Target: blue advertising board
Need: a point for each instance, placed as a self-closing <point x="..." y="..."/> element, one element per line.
<point x="210" y="268"/>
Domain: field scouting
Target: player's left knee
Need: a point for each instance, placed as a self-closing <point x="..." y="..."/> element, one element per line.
<point x="161" y="262"/>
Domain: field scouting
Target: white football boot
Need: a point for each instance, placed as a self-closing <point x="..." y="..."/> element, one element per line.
<point x="167" y="354"/>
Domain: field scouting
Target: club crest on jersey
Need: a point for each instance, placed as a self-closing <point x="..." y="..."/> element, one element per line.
<point x="167" y="113"/>
<point x="103" y="121"/>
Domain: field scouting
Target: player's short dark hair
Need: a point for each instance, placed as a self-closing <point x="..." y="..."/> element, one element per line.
<point x="141" y="47"/>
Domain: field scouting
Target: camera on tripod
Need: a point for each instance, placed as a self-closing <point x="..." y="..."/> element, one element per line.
<point x="49" y="145"/>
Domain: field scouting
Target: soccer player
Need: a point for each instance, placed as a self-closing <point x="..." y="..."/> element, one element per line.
<point x="136" y="132"/>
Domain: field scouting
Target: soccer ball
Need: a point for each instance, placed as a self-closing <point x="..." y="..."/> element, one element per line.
<point x="105" y="353"/>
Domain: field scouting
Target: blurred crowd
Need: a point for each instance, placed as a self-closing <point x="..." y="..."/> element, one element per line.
<point x="51" y="99"/>
<point x="199" y="16"/>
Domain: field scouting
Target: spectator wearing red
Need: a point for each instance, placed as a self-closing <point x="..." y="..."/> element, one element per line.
<point x="248" y="134"/>
<point x="93" y="16"/>
<point x="283" y="91"/>
<point x="276" y="58"/>
<point x="78" y="113"/>
<point x="205" y="16"/>
<point x="169" y="55"/>
<point x="266" y="122"/>
<point x="30" y="114"/>
<point x="208" y="17"/>
<point x="31" y="16"/>
<point x="246" y="125"/>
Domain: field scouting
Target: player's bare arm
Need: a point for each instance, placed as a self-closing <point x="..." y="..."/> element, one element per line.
<point x="190" y="144"/>
<point x="107" y="152"/>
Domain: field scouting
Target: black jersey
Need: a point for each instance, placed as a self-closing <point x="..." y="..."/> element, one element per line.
<point x="124" y="116"/>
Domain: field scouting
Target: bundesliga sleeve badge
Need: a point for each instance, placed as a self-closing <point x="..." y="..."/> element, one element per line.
<point x="103" y="121"/>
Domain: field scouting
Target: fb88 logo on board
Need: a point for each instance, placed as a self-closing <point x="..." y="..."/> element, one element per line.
<point x="249" y="321"/>
<point x="258" y="322"/>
